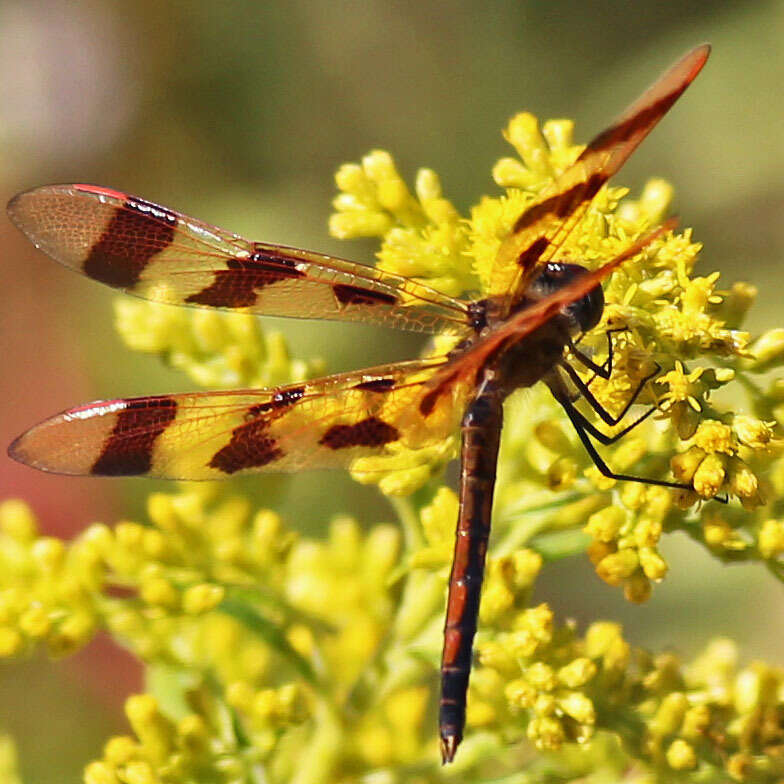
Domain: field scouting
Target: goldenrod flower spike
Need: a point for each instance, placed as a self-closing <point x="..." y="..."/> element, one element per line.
<point x="274" y="655"/>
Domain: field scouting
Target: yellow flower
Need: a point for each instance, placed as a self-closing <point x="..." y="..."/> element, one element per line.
<point x="276" y="655"/>
<point x="423" y="236"/>
<point x="681" y="756"/>
<point x="771" y="538"/>
<point x="438" y="526"/>
<point x="217" y="350"/>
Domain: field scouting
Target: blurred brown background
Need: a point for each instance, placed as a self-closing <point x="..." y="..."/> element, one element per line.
<point x="238" y="113"/>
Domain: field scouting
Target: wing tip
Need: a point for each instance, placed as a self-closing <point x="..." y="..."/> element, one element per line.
<point x="44" y="447"/>
<point x="18" y="206"/>
<point x="15" y="207"/>
<point x="20" y="451"/>
<point x="14" y="450"/>
<point x="697" y="58"/>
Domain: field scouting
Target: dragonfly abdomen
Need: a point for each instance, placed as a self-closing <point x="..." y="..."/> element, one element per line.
<point x="481" y="430"/>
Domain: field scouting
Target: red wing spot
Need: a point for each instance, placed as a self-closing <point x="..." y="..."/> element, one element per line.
<point x="101" y="191"/>
<point x="236" y="286"/>
<point x="561" y="204"/>
<point x="369" y="432"/>
<point x="250" y="447"/>
<point x="128" y="450"/>
<point x="532" y="253"/>
<point x="625" y="130"/>
<point x="354" y="295"/>
<point x="137" y="232"/>
<point x="376" y="385"/>
<point x="428" y="402"/>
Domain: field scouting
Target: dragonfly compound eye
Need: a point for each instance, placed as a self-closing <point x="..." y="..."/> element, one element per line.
<point x="584" y="313"/>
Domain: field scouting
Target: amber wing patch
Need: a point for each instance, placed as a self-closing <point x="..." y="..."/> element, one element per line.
<point x="162" y="255"/>
<point x="325" y="423"/>
<point x="543" y="227"/>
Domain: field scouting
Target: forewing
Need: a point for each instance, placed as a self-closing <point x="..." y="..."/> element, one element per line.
<point x="159" y="254"/>
<point x="539" y="232"/>
<point x="530" y="318"/>
<point x="324" y="423"/>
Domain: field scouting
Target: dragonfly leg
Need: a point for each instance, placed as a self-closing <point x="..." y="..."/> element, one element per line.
<point x="594" y="431"/>
<point x="585" y="429"/>
<point x="605" y="369"/>
<point x="590" y="398"/>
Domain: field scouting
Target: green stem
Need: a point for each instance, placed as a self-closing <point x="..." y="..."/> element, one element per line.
<point x="409" y="522"/>
<point x="317" y="762"/>
<point x="270" y="632"/>
<point x="754" y="389"/>
<point x="535" y="520"/>
<point x="555" y="545"/>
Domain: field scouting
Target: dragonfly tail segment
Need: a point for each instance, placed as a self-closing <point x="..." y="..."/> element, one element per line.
<point x="481" y="429"/>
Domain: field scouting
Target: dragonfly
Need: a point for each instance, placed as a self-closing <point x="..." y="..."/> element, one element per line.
<point x="525" y="329"/>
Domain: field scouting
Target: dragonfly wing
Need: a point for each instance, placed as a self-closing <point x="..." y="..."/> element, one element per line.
<point x="159" y="254"/>
<point x="325" y="423"/>
<point x="544" y="226"/>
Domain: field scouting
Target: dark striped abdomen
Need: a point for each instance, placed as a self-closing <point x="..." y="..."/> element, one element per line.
<point x="481" y="435"/>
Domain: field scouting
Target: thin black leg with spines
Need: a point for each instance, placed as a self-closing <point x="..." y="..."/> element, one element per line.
<point x="605" y="369"/>
<point x="583" y="428"/>
<point x="601" y="437"/>
<point x="590" y="398"/>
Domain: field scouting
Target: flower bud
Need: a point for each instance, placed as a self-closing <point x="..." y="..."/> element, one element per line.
<point x="606" y="524"/>
<point x="767" y="349"/>
<point x="17" y="520"/>
<point x="202" y="598"/>
<point x="681" y="755"/>
<point x="637" y="588"/>
<point x="577" y="673"/>
<point x="709" y="477"/>
<point x="616" y="567"/>
<point x="578" y="706"/>
<point x="669" y="716"/>
<point x="770" y="539"/>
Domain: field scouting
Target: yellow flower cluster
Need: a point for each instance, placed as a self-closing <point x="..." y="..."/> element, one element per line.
<point x="530" y="672"/>
<point x="47" y="590"/>
<point x="198" y="747"/>
<point x="626" y="537"/>
<point x="685" y="394"/>
<point x="280" y="635"/>
<point x="423" y="236"/>
<point x="713" y="461"/>
<point x="216" y="350"/>
<point x="711" y="715"/>
<point x="259" y="642"/>
<point x="282" y="658"/>
<point x="714" y="716"/>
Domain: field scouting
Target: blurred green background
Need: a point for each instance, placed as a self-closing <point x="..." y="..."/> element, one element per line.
<point x="238" y="113"/>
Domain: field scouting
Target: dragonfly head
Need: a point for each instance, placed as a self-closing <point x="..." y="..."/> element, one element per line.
<point x="583" y="314"/>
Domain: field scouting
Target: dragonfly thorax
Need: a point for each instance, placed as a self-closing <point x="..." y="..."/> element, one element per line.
<point x="527" y="360"/>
